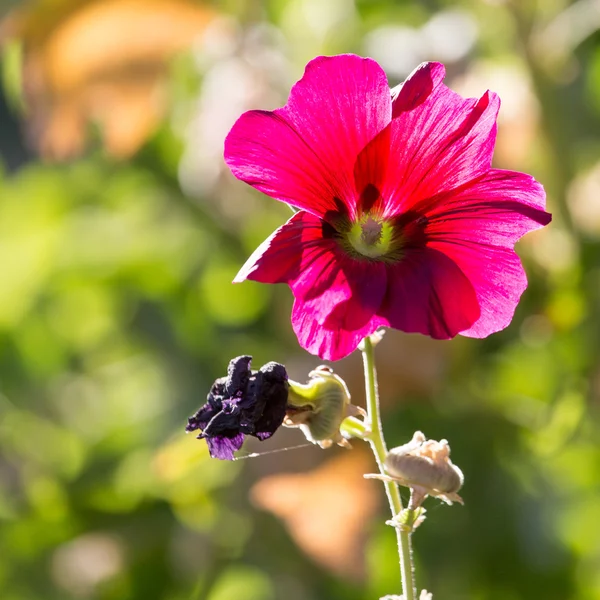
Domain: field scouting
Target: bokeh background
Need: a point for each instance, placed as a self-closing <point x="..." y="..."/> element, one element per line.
<point x="120" y="232"/>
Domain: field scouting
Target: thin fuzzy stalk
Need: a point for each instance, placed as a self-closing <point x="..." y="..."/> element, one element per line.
<point x="377" y="443"/>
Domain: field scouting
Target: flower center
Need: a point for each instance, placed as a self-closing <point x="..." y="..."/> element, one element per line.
<point x="372" y="237"/>
<point x="371" y="232"/>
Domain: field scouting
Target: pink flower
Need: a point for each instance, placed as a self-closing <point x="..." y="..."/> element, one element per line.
<point x="403" y="222"/>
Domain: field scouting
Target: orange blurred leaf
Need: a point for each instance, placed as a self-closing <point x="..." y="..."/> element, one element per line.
<point x="102" y="62"/>
<point x="325" y="510"/>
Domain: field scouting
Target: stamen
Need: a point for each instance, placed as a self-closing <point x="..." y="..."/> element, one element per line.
<point x="371" y="232"/>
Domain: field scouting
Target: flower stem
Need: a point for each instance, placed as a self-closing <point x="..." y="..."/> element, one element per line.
<point x="377" y="443"/>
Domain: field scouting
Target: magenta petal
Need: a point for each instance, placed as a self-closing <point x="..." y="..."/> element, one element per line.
<point x="496" y="209"/>
<point x="477" y="228"/>
<point x="332" y="285"/>
<point x="304" y="153"/>
<point x="266" y="151"/>
<point x="454" y="145"/>
<point x="362" y="286"/>
<point x="417" y="87"/>
<point x="339" y="291"/>
<point x="299" y="255"/>
<point x="498" y="278"/>
<point x="329" y="343"/>
<point x="370" y="173"/>
<point x="284" y="254"/>
<point x="332" y="324"/>
<point x="429" y="294"/>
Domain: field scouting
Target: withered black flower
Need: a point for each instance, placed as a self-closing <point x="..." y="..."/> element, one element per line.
<point x="243" y="403"/>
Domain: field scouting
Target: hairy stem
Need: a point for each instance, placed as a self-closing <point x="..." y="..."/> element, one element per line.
<point x="377" y="443"/>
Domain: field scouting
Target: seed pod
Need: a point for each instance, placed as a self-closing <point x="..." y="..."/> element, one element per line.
<point x="425" y="466"/>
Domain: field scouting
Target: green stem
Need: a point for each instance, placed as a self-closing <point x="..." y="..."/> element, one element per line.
<point x="377" y="442"/>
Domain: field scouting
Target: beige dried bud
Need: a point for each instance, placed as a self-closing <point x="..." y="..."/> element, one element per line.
<point x="425" y="595"/>
<point x="425" y="467"/>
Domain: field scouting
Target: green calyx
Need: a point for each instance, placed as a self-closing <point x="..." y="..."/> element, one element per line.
<point x="321" y="407"/>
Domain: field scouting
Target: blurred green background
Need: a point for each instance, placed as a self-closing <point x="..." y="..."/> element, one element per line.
<point x="120" y="232"/>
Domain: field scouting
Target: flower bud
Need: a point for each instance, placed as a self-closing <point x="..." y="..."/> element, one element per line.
<point x="425" y="595"/>
<point x="319" y="407"/>
<point x="425" y="467"/>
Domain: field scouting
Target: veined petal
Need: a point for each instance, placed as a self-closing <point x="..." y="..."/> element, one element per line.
<point x="429" y="294"/>
<point x="477" y="227"/>
<point x="497" y="209"/>
<point x="417" y="87"/>
<point x="332" y="285"/>
<point x="304" y="153"/>
<point x="361" y="288"/>
<point x="280" y="258"/>
<point x="299" y="255"/>
<point x="498" y="279"/>
<point x="340" y="292"/>
<point x="329" y="343"/>
<point x="266" y="151"/>
<point x="370" y="171"/>
<point x="437" y="144"/>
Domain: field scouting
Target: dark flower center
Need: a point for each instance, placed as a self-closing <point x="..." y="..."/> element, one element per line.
<point x="370" y="235"/>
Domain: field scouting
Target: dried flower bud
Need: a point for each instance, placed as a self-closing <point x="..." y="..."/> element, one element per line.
<point x="425" y="467"/>
<point x="425" y="595"/>
<point x="319" y="407"/>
